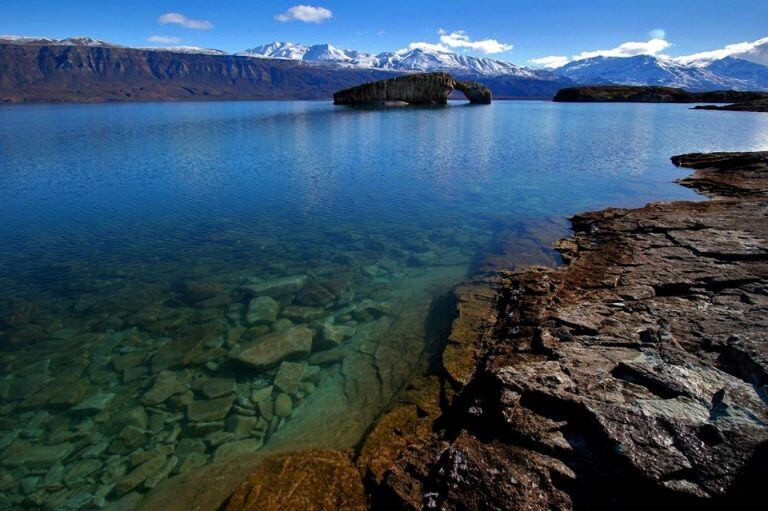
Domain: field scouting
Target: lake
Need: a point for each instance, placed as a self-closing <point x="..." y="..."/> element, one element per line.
<point x="186" y="284"/>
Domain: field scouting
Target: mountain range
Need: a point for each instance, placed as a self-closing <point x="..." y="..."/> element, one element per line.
<point x="82" y="68"/>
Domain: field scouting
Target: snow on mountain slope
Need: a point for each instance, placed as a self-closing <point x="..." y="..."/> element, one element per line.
<point x="648" y="70"/>
<point x="754" y="76"/>
<point x="187" y="49"/>
<point x="416" y="59"/>
<point x="69" y="41"/>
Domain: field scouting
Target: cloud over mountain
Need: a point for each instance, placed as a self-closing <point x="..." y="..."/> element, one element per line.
<point x="755" y="51"/>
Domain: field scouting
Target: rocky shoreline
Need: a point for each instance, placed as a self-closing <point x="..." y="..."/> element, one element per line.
<point x="634" y="375"/>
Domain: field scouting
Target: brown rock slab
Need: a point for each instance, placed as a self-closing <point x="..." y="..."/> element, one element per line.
<point x="208" y="410"/>
<point x="310" y="480"/>
<point x="269" y="350"/>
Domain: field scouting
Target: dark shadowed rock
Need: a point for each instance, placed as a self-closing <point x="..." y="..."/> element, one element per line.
<point x="415" y="89"/>
<point x="651" y="94"/>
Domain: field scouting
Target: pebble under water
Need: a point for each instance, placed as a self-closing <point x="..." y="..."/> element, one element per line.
<point x="188" y="284"/>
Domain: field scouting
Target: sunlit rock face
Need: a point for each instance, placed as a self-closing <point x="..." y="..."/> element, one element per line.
<point x="415" y="89"/>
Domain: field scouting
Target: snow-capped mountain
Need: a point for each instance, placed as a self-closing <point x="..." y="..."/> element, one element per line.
<point x="649" y="70"/>
<point x="754" y="76"/>
<point x="416" y="59"/>
<point x="186" y="49"/>
<point x="319" y="53"/>
<point x="69" y="41"/>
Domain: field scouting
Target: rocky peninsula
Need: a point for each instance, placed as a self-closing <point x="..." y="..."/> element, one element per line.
<point x="415" y="89"/>
<point x="648" y="94"/>
<point x="634" y="375"/>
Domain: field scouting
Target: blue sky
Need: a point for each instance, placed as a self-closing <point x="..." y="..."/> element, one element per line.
<point x="533" y="29"/>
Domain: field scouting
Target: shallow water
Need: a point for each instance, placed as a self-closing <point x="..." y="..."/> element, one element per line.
<point x="142" y="248"/>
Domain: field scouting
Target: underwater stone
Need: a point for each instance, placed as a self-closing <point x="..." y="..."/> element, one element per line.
<point x="163" y="473"/>
<point x="38" y="456"/>
<point x="278" y="287"/>
<point x="81" y="470"/>
<point x="218" y="387"/>
<point x="261" y="394"/>
<point x="267" y="409"/>
<point x="166" y="385"/>
<point x="237" y="448"/>
<point x="283" y="405"/>
<point x="209" y="410"/>
<point x="53" y="478"/>
<point x="240" y="425"/>
<point x="133" y="436"/>
<point x="139" y="475"/>
<point x="328" y="357"/>
<point x="217" y="438"/>
<point x="203" y="428"/>
<point x="303" y="314"/>
<point x="270" y="350"/>
<point x="289" y="376"/>
<point x="189" y="462"/>
<point x="314" y="294"/>
<point x="263" y="309"/>
<point x="136" y="416"/>
<point x="129" y="360"/>
<point x="199" y="291"/>
<point x="281" y="325"/>
<point x="94" y="404"/>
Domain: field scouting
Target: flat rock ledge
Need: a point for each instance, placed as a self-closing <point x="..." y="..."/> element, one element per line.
<point x="635" y="375"/>
<point x="414" y="89"/>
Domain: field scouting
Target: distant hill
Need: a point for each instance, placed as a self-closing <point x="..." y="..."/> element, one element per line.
<point x="62" y="73"/>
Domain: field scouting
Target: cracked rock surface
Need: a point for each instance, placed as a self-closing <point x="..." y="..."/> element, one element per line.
<point x="635" y="375"/>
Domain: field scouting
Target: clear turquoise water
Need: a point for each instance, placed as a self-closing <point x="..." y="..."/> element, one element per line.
<point x="109" y="212"/>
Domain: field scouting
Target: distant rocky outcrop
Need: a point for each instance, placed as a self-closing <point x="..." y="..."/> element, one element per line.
<point x="646" y="94"/>
<point x="760" y="105"/>
<point x="415" y="89"/>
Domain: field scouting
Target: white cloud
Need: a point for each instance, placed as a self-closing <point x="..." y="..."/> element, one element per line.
<point x="629" y="49"/>
<point x="459" y="39"/>
<point x="163" y="39"/>
<point x="306" y="14"/>
<point x="657" y="33"/>
<point x="427" y="46"/>
<point x="755" y="51"/>
<point x="176" y="18"/>
<point x="551" y="62"/>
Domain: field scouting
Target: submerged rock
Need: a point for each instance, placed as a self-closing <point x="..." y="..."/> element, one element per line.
<point x="289" y="376"/>
<point x="262" y="310"/>
<point x="207" y="410"/>
<point x="268" y="351"/>
<point x="278" y="287"/>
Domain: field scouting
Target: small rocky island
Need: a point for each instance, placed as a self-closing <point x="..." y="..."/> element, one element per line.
<point x="645" y="94"/>
<point x="413" y="89"/>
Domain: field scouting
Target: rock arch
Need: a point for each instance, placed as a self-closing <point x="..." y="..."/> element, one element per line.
<point x="414" y="89"/>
